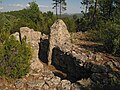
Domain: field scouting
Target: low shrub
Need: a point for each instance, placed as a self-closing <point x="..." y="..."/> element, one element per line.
<point x="109" y="35"/>
<point x="14" y="58"/>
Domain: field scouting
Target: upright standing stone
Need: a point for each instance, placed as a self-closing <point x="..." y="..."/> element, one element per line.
<point x="32" y="37"/>
<point x="59" y="35"/>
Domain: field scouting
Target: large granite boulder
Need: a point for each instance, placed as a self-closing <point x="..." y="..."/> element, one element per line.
<point x="59" y="35"/>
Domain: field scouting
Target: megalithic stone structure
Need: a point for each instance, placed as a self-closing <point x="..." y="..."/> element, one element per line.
<point x="59" y="35"/>
<point x="33" y="38"/>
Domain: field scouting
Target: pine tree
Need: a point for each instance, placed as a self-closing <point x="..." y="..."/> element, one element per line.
<point x="55" y="3"/>
<point x="87" y="4"/>
<point x="62" y="4"/>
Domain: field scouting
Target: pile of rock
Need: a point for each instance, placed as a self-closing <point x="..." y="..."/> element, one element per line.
<point x="39" y="77"/>
<point x="78" y="62"/>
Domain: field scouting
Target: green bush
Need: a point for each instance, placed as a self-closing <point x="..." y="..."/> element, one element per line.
<point x="109" y="35"/>
<point x="14" y="58"/>
<point x="70" y="24"/>
<point x="7" y="24"/>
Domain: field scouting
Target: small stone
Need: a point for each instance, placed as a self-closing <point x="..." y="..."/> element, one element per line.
<point x="40" y="83"/>
<point x="110" y="64"/>
<point x="75" y="87"/>
<point x="40" y="78"/>
<point x="35" y="74"/>
<point x="66" y="84"/>
<point x="81" y="64"/>
<point x="31" y="84"/>
<point x="46" y="87"/>
<point x="19" y="83"/>
<point x="51" y="84"/>
<point x="91" y="55"/>
<point x="56" y="80"/>
<point x="98" y="57"/>
<point x="24" y="80"/>
<point x="47" y="78"/>
<point x="38" y="70"/>
<point x="48" y="74"/>
<point x="85" y="82"/>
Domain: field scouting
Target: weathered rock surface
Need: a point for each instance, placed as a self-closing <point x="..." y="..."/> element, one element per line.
<point x="59" y="35"/>
<point x="33" y="38"/>
<point x="77" y="62"/>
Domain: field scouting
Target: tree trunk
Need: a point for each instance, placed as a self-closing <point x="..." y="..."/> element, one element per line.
<point x="56" y="9"/>
<point x="86" y="8"/>
<point x="95" y="11"/>
<point x="60" y="8"/>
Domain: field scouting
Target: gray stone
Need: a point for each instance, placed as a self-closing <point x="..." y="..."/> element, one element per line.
<point x="58" y="36"/>
<point x="38" y="83"/>
<point x="46" y="87"/>
<point x="56" y="80"/>
<point x="31" y="84"/>
<point x="30" y="35"/>
<point x="66" y="85"/>
<point x="49" y="76"/>
<point x="19" y="83"/>
<point x="75" y="87"/>
<point x="50" y="83"/>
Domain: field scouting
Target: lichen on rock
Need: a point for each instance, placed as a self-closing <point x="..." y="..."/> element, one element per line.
<point x="59" y="35"/>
